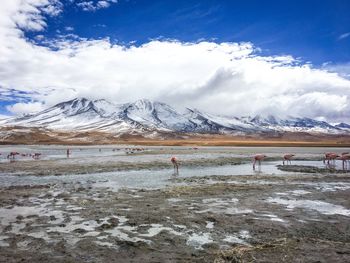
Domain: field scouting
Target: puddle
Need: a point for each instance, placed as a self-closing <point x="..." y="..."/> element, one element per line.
<point x="300" y="192"/>
<point x="210" y="225"/>
<point x="76" y="223"/>
<point x="17" y="227"/>
<point x="106" y="244"/>
<point x="221" y="206"/>
<point x="155" y="229"/>
<point x="239" y="238"/>
<point x="270" y="217"/>
<point x="329" y="187"/>
<point x="174" y="200"/>
<point x="9" y="216"/>
<point x="319" y="206"/>
<point x="294" y="192"/>
<point x="198" y="240"/>
<point x="3" y="243"/>
<point x="123" y="236"/>
<point x="40" y="235"/>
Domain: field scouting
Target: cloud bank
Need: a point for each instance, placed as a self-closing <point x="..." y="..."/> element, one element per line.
<point x="222" y="78"/>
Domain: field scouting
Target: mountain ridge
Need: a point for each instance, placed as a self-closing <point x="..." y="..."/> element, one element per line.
<point x="152" y="118"/>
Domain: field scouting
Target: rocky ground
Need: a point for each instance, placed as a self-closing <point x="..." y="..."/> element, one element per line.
<point x="302" y="217"/>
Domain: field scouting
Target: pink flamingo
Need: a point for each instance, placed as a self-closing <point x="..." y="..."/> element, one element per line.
<point x="258" y="158"/>
<point x="287" y="158"/>
<point x="175" y="163"/>
<point x="344" y="158"/>
<point x="36" y="155"/>
<point x="331" y="157"/>
<point x="327" y="155"/>
<point x="12" y="155"/>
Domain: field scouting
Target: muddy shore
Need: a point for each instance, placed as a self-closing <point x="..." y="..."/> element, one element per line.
<point x="231" y="219"/>
<point x="299" y="216"/>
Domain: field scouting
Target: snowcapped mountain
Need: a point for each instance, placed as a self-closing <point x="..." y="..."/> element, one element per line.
<point x="148" y="118"/>
<point x="293" y="124"/>
<point x="343" y="126"/>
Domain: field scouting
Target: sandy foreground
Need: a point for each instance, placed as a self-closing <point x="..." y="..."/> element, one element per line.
<point x="299" y="214"/>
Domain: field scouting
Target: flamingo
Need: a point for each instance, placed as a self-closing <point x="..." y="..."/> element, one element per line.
<point x="175" y="163"/>
<point x="36" y="155"/>
<point x="327" y="155"/>
<point x="331" y="157"/>
<point x="287" y="158"/>
<point x="258" y="158"/>
<point x="12" y="155"/>
<point x="344" y="158"/>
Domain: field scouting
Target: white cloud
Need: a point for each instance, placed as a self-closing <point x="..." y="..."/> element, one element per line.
<point x="69" y="28"/>
<point x="225" y="78"/>
<point x="54" y="8"/>
<point x="23" y="108"/>
<point x="27" y="14"/>
<point x="103" y="4"/>
<point x="343" y="36"/>
<point x="95" y="5"/>
<point x="342" y="69"/>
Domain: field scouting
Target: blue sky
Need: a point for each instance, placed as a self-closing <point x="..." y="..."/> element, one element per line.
<point x="309" y="29"/>
<point x="281" y="54"/>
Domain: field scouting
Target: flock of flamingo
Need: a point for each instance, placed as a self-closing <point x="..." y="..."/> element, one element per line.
<point x="329" y="158"/>
<point x="12" y="155"/>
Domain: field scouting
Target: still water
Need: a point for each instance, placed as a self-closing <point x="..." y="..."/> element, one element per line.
<point x="150" y="178"/>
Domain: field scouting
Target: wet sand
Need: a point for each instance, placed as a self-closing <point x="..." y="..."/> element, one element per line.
<point x="264" y="216"/>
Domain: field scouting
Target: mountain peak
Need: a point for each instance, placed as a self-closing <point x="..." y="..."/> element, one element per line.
<point x="72" y="101"/>
<point x="143" y="102"/>
<point x="144" y="114"/>
<point x="265" y="119"/>
<point x="148" y="105"/>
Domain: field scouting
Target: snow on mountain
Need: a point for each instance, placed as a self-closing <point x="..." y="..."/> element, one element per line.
<point x="156" y="115"/>
<point x="343" y="126"/>
<point x="205" y="122"/>
<point x="147" y="117"/>
<point x="3" y="117"/>
<point x="294" y="124"/>
<point x="75" y="115"/>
